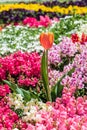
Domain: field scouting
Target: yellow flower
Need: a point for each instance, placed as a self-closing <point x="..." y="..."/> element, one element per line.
<point x="70" y="9"/>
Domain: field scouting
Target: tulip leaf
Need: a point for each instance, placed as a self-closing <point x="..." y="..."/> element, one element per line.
<point x="14" y="87"/>
<point x="24" y="93"/>
<point x="71" y="71"/>
<point x="57" y="89"/>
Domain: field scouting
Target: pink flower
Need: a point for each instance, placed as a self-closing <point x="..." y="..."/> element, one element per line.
<point x="30" y="127"/>
<point x="23" y="68"/>
<point x="4" y="89"/>
<point x="40" y="127"/>
<point x="33" y="22"/>
<point x="44" y="21"/>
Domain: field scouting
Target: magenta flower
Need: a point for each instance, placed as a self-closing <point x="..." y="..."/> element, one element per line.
<point x="23" y="68"/>
<point x="4" y="89"/>
<point x="33" y="22"/>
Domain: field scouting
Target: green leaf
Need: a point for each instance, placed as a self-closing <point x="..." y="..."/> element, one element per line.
<point x="24" y="93"/>
<point x="14" y="87"/>
<point x="57" y="89"/>
<point x="19" y="112"/>
<point x="71" y="71"/>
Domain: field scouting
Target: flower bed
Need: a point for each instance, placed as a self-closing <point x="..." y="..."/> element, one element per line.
<point x="67" y="112"/>
<point x="44" y="87"/>
<point x="36" y="7"/>
<point x="55" y="10"/>
<point x="19" y="37"/>
<point x="26" y="1"/>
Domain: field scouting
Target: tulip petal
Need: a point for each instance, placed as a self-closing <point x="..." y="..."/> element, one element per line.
<point x="46" y="40"/>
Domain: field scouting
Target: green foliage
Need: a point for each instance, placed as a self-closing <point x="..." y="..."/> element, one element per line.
<point x="80" y="92"/>
<point x="19" y="112"/>
<point x="24" y="93"/>
<point x="67" y="26"/>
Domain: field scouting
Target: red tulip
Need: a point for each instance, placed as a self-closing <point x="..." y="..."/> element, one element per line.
<point x="46" y="40"/>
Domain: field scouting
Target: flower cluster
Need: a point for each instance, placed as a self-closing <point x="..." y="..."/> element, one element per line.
<point x="33" y="22"/>
<point x="36" y="7"/>
<point x="76" y="38"/>
<point x="9" y="119"/>
<point x="22" y="68"/>
<point x="65" y="48"/>
<point x="4" y="89"/>
<point x="57" y="54"/>
<point x="79" y="76"/>
<point x="65" y="56"/>
<point x="65" y="113"/>
<point x="30" y="109"/>
<point x="14" y="38"/>
<point x="27" y="39"/>
<point x="80" y="63"/>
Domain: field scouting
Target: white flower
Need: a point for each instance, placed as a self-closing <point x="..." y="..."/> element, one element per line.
<point x="15" y="129"/>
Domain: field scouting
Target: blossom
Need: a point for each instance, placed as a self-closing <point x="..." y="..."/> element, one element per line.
<point x="23" y="66"/>
<point x="66" y="112"/>
<point x="33" y="22"/>
<point x="37" y="7"/>
<point x="46" y="40"/>
<point x="4" y="89"/>
<point x="0" y="28"/>
<point x="75" y="38"/>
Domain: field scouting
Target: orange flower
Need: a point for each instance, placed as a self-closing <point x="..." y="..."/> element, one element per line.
<point x="46" y="40"/>
<point x="0" y="28"/>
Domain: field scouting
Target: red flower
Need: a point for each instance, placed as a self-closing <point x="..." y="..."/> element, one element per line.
<point x="75" y="38"/>
<point x="16" y="24"/>
<point x="83" y="38"/>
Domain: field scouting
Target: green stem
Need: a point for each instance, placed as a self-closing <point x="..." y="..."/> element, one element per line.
<point x="48" y="89"/>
